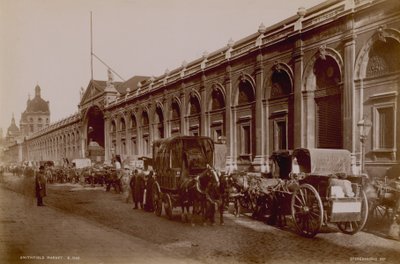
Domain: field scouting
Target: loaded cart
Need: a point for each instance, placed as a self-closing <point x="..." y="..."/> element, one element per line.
<point x="178" y="162"/>
<point x="321" y="188"/>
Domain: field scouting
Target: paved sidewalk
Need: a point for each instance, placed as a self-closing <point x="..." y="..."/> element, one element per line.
<point x="31" y="234"/>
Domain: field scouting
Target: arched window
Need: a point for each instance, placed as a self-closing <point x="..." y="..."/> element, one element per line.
<point x="217" y="100"/>
<point x="113" y="126"/>
<point x="175" y="110"/>
<point x="328" y="99"/>
<point x="145" y="119"/>
<point x="246" y="93"/>
<point x="194" y="106"/>
<point x="160" y="122"/>
<point x="384" y="57"/>
<point x="123" y="125"/>
<point x="133" y="122"/>
<point x="281" y="84"/>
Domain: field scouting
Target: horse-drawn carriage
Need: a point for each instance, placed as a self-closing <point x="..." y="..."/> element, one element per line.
<point x="384" y="199"/>
<point x="315" y="187"/>
<point x="184" y="172"/>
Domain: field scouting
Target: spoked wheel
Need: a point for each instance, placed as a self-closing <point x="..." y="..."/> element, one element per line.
<point x="379" y="212"/>
<point x="307" y="210"/>
<point x="168" y="205"/>
<point x="157" y="201"/>
<point x="245" y="201"/>
<point x="353" y="227"/>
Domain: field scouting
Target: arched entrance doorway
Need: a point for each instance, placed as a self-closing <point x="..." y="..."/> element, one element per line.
<point x="328" y="99"/>
<point x="95" y="134"/>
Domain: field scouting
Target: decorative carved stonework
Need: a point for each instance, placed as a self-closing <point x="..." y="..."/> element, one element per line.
<point x="242" y="77"/>
<point x="322" y="52"/>
<point x="277" y="66"/>
<point x="382" y="35"/>
<point x="377" y="66"/>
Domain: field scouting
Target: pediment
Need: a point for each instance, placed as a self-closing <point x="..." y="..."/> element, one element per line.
<point x="94" y="89"/>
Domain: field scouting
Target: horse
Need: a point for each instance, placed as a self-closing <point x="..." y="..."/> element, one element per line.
<point x="236" y="189"/>
<point x="195" y="192"/>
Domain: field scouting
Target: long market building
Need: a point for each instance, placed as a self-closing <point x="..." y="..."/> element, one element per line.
<point x="309" y="81"/>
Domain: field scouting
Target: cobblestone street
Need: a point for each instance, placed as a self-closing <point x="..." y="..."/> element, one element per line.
<point x="88" y="225"/>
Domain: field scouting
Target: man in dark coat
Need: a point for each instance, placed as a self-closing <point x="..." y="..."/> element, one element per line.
<point x="148" y="206"/>
<point x="40" y="186"/>
<point x="132" y="185"/>
<point x="138" y="190"/>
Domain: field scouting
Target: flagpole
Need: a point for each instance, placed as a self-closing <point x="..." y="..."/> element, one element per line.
<point x="91" y="46"/>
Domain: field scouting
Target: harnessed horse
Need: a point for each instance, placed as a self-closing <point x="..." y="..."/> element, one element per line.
<point x="197" y="192"/>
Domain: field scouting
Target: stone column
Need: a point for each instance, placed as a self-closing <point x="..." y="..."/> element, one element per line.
<point x="298" y="107"/>
<point x="167" y="117"/>
<point x="258" y="121"/>
<point x="203" y="120"/>
<point x="107" y="141"/>
<point x="229" y="124"/>
<point x="183" y="110"/>
<point x="349" y="123"/>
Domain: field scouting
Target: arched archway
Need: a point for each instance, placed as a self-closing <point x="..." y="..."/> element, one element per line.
<point x="280" y="105"/>
<point x="94" y="132"/>
<point x="377" y="70"/>
<point x="328" y="101"/>
<point x="245" y="121"/>
<point x="323" y="100"/>
<point x="145" y="125"/>
<point x="175" y="117"/>
<point x="217" y="112"/>
<point x="194" y="114"/>
<point x="159" y="122"/>
<point x="95" y="125"/>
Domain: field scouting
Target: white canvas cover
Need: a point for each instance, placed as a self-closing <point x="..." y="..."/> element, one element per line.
<point x="323" y="161"/>
<point x="82" y="163"/>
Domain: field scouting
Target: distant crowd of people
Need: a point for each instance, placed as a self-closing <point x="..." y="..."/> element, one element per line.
<point x="134" y="184"/>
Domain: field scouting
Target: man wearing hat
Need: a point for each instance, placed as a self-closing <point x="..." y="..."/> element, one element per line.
<point x="40" y="186"/>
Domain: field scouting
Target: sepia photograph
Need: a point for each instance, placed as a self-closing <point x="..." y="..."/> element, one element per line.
<point x="199" y="132"/>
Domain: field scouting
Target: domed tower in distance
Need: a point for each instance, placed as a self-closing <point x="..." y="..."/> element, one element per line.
<point x="36" y="115"/>
<point x="13" y="133"/>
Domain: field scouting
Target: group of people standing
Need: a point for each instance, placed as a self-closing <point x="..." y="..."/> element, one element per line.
<point x="141" y="188"/>
<point x="137" y="184"/>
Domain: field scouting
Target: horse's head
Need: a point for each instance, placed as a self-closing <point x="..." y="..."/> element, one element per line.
<point x="240" y="181"/>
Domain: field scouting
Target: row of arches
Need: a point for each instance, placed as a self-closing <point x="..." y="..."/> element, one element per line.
<point x="323" y="80"/>
<point x="59" y="145"/>
<point x="245" y="104"/>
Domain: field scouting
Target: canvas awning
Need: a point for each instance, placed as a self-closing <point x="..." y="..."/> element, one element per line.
<point x="323" y="161"/>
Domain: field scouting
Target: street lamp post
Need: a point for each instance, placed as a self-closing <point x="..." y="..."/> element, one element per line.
<point x="364" y="127"/>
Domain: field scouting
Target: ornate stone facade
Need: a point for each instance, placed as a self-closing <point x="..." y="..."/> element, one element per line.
<point x="304" y="82"/>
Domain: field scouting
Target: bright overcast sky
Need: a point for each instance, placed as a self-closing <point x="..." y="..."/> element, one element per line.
<point x="47" y="42"/>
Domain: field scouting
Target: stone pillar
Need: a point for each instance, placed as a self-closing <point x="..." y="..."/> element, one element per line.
<point x="183" y="111"/>
<point x="167" y="117"/>
<point x="349" y="123"/>
<point x="107" y="141"/>
<point x="308" y="119"/>
<point x="298" y="107"/>
<point x="229" y="123"/>
<point x="203" y="120"/>
<point x="259" y="120"/>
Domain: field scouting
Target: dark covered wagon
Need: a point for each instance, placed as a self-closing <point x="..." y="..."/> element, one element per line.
<point x="176" y="159"/>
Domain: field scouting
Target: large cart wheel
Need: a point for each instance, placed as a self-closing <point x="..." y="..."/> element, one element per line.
<point x="168" y="205"/>
<point x="245" y="201"/>
<point x="157" y="200"/>
<point x="307" y="210"/>
<point x="353" y="227"/>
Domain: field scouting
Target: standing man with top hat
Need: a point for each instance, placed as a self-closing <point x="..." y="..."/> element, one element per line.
<point x="40" y="186"/>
